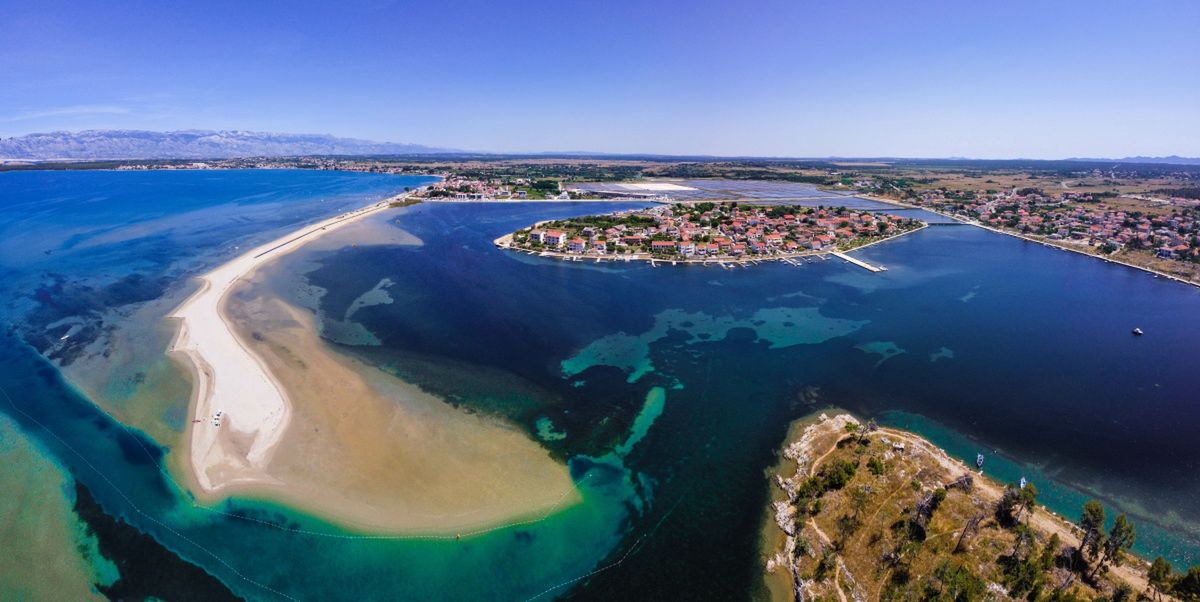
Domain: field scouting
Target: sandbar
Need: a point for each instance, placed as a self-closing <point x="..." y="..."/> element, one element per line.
<point x="276" y="414"/>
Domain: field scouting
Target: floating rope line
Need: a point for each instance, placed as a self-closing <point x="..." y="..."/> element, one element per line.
<point x="612" y="565"/>
<point x="162" y="471"/>
<point x="399" y="537"/>
<point x="347" y="536"/>
<point x="138" y="509"/>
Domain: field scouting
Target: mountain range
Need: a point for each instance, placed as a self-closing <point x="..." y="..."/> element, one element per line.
<point x="1168" y="160"/>
<point x="190" y="144"/>
<point x="92" y="145"/>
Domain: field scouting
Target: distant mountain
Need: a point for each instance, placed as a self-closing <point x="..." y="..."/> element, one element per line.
<point x="1170" y="160"/>
<point x="190" y="144"/>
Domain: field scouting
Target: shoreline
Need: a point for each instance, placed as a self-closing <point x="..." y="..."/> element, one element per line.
<point x="1028" y="238"/>
<point x="505" y="242"/>
<point x="614" y="200"/>
<point x="814" y="437"/>
<point x="360" y="438"/>
<point x="205" y="342"/>
<point x="275" y="417"/>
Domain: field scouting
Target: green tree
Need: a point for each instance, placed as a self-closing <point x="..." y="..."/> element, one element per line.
<point x="1123" y="593"/>
<point x="846" y="526"/>
<point x="1046" y="561"/>
<point x="1015" y="503"/>
<point x="1120" y="538"/>
<point x="827" y="563"/>
<point x="859" y="496"/>
<point x="876" y="466"/>
<point x="1025" y="568"/>
<point x="1188" y="586"/>
<point x="1092" y="523"/>
<point x="1026" y="500"/>
<point x="1159" y="577"/>
<point x="954" y="582"/>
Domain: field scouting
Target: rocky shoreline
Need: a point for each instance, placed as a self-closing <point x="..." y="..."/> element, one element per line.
<point x="840" y="528"/>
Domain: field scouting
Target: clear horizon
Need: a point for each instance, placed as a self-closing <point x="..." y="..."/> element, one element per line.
<point x="986" y="81"/>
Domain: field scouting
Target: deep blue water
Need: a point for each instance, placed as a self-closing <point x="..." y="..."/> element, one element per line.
<point x="76" y="244"/>
<point x="1024" y="350"/>
<point x="981" y="341"/>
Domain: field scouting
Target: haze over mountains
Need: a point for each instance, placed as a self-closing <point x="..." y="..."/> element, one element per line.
<point x="1170" y="160"/>
<point x="190" y="144"/>
<point x="91" y="145"/>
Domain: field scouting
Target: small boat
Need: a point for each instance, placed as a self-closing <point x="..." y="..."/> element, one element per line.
<point x="1023" y="482"/>
<point x="1137" y="332"/>
<point x="978" y="460"/>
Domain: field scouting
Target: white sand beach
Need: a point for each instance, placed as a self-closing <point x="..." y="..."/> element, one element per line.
<point x="277" y="415"/>
<point x="242" y="409"/>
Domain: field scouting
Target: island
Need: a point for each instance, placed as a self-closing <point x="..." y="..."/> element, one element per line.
<point x="704" y="232"/>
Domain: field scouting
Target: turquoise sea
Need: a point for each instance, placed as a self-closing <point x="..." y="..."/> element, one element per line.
<point x="668" y="391"/>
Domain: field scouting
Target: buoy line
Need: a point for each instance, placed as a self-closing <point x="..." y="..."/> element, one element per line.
<point x="162" y="471"/>
<point x="138" y="509"/>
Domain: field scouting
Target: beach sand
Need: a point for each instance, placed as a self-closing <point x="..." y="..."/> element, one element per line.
<point x="277" y="415"/>
<point x="375" y="453"/>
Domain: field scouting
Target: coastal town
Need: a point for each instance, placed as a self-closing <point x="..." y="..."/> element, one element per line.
<point x="456" y="187"/>
<point x="1163" y="236"/>
<point x="1065" y="217"/>
<point x="704" y="231"/>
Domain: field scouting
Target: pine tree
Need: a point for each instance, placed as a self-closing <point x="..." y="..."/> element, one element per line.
<point x="1159" y="577"/>
<point x="1120" y="538"/>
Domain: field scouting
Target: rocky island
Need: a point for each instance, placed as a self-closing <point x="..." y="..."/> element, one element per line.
<point x="869" y="513"/>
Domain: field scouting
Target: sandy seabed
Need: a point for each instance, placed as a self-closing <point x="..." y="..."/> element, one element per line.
<point x="278" y="415"/>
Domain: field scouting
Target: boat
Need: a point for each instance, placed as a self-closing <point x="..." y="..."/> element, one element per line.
<point x="978" y="460"/>
<point x="1137" y="332"/>
<point x="1023" y="482"/>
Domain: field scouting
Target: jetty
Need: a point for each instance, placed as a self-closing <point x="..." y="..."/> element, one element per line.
<point x="860" y="263"/>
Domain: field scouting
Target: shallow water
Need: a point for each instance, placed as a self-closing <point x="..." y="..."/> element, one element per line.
<point x="35" y="513"/>
<point x="1010" y="343"/>
<point x="667" y="391"/>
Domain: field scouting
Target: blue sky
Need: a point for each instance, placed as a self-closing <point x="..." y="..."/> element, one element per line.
<point x="793" y="78"/>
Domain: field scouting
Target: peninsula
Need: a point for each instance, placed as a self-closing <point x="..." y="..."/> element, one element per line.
<point x="703" y="232"/>
<point x="866" y="512"/>
<point x="260" y="410"/>
<point x="277" y="415"/>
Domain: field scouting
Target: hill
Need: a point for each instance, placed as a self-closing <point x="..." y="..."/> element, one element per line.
<point x="880" y="514"/>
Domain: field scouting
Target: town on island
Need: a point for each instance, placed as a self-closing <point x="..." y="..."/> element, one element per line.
<point x="704" y="232"/>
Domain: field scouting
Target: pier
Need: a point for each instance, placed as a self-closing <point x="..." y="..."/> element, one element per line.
<point x="860" y="263"/>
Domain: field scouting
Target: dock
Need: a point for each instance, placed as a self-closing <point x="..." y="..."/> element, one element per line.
<point x="859" y="262"/>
